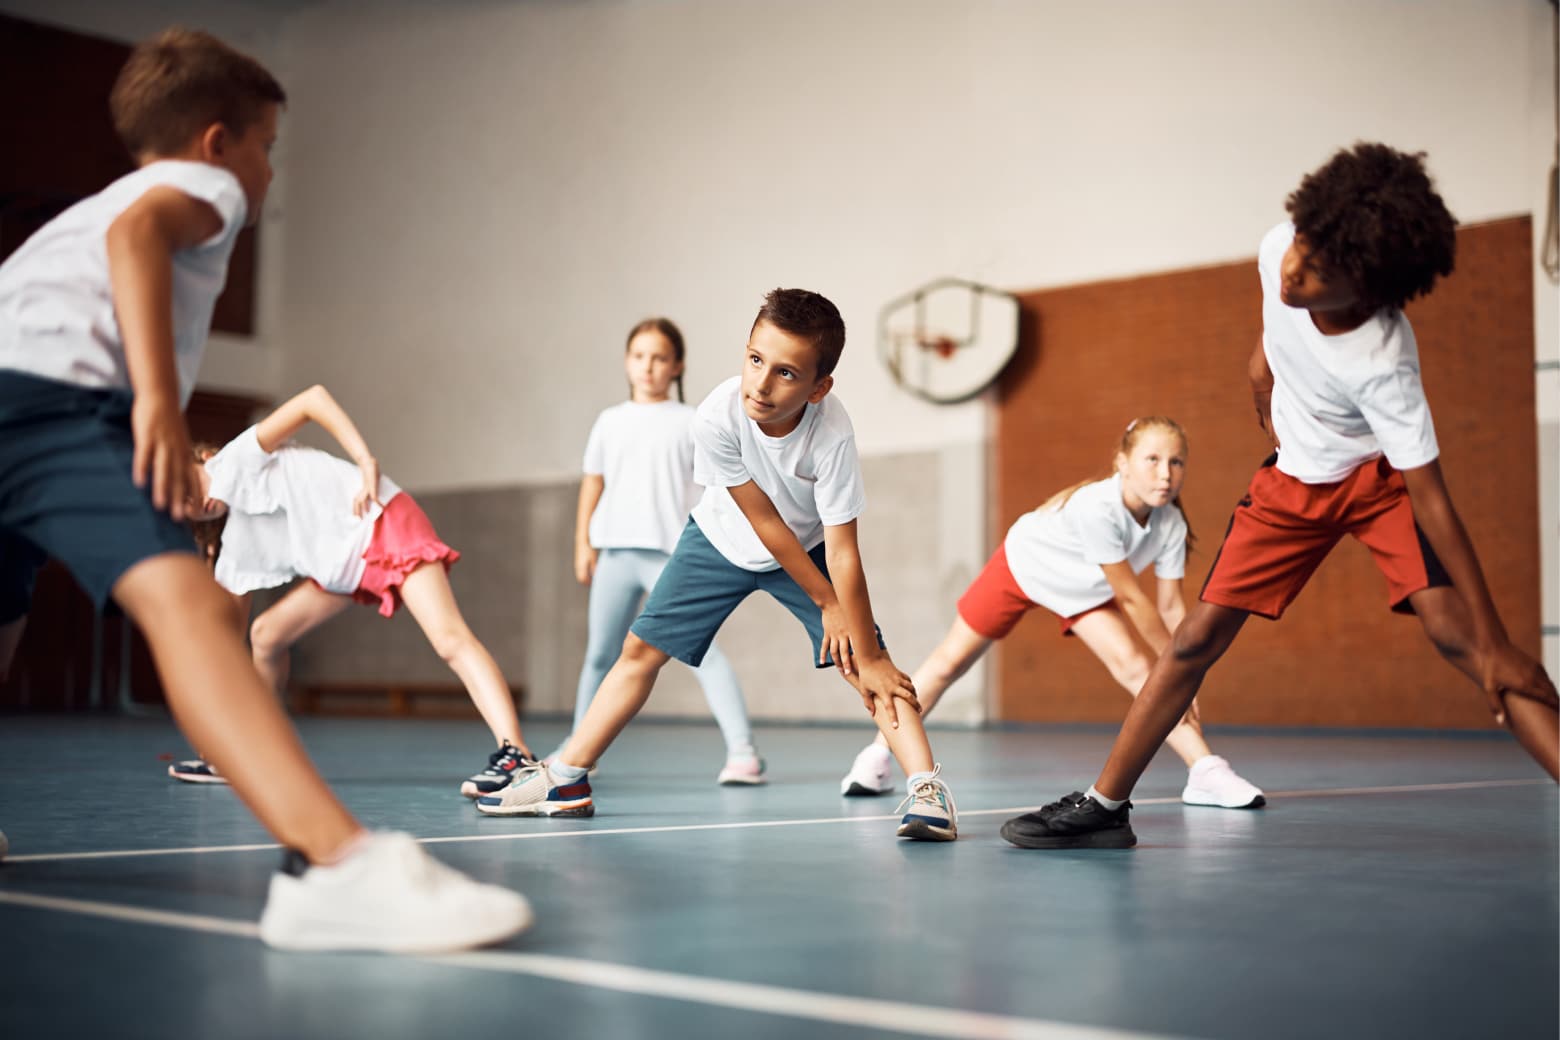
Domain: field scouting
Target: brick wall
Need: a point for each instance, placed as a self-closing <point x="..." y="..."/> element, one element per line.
<point x="1093" y="356"/>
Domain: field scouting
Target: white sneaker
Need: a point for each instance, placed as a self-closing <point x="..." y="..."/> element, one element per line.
<point x="742" y="771"/>
<point x="932" y="816"/>
<point x="1211" y="781"/>
<point x="870" y="775"/>
<point x="391" y="896"/>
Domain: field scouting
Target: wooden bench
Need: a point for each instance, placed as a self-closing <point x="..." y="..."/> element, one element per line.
<point x="390" y="698"/>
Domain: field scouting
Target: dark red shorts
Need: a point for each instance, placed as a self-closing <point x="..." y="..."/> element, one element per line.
<point x="1283" y="529"/>
<point x="994" y="604"/>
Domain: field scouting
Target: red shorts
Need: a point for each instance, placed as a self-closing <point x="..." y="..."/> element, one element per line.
<point x="404" y="540"/>
<point x="1283" y="529"/>
<point x="993" y="604"/>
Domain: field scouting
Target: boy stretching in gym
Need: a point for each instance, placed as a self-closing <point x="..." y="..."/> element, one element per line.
<point x="1337" y="388"/>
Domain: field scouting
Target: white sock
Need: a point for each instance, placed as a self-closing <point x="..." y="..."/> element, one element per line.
<point x="915" y="778"/>
<point x="1203" y="764"/>
<point x="1110" y="803"/>
<point x="742" y="751"/>
<point x="562" y="774"/>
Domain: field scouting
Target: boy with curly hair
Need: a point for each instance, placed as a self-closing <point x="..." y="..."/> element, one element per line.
<point x="1337" y="389"/>
<point x="104" y="314"/>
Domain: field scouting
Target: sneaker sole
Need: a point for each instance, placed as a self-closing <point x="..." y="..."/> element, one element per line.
<point x="291" y="937"/>
<point x="1118" y="838"/>
<point x="860" y="790"/>
<point x="540" y="809"/>
<point x="1192" y="797"/>
<point x="920" y="830"/>
<point x="741" y="781"/>
<point x="190" y="778"/>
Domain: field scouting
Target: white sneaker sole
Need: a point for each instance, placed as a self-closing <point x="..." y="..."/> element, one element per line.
<point x="319" y="936"/>
<point x="850" y="787"/>
<point x="196" y="778"/>
<point x="740" y="780"/>
<point x="579" y="808"/>
<point x="1197" y="796"/>
<point x="920" y="830"/>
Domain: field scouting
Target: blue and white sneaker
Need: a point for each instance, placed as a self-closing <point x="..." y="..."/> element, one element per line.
<point x="932" y="815"/>
<point x="196" y="771"/>
<point x="502" y="767"/>
<point x="532" y="793"/>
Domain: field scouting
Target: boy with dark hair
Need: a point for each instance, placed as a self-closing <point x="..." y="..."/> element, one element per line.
<point x="104" y="314"/>
<point x="777" y="457"/>
<point x="1337" y="389"/>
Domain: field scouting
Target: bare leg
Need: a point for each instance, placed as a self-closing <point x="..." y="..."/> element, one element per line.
<point x="305" y="608"/>
<point x="224" y="707"/>
<point x="427" y="594"/>
<point x="622" y="693"/>
<point x="1450" y="627"/>
<point x="10" y="639"/>
<point x="908" y="742"/>
<point x="959" y="649"/>
<point x="1106" y="632"/>
<point x="1199" y="641"/>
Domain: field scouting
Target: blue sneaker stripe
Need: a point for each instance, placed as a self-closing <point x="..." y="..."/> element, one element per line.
<point x="935" y="821"/>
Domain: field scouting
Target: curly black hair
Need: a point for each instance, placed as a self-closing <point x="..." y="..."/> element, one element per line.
<point x="1372" y="215"/>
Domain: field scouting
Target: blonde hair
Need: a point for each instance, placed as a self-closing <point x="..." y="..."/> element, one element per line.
<point x="1129" y="438"/>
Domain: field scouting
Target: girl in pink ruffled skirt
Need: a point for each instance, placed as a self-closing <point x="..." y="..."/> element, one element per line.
<point x="293" y="511"/>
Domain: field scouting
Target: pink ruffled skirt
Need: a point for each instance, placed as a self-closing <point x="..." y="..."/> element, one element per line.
<point x="404" y="540"/>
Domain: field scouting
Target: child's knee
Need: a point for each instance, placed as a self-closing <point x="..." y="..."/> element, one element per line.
<point x="640" y="655"/>
<point x="265" y="638"/>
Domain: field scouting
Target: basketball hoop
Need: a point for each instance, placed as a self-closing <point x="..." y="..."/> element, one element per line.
<point x="947" y="340"/>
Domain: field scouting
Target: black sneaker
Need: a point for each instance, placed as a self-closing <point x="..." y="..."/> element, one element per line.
<point x="502" y="766"/>
<point x="1075" y="822"/>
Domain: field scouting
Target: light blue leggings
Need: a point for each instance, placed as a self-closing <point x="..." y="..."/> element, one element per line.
<point x="623" y="578"/>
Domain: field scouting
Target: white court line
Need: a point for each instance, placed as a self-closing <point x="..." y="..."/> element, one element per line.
<point x="587" y="832"/>
<point x="757" y="998"/>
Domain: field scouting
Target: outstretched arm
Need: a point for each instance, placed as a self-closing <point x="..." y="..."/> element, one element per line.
<point x="1140" y="610"/>
<point x="1506" y="669"/>
<point x="141" y="243"/>
<point x="1261" y="377"/>
<point x="880" y="682"/>
<point x="591" y="488"/>
<point x="317" y="405"/>
<point x="847" y="614"/>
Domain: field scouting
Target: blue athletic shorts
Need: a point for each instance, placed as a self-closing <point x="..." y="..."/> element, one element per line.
<point x="700" y="588"/>
<point x="65" y="490"/>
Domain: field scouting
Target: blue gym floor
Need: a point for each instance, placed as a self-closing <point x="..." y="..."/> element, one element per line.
<point x="1395" y="886"/>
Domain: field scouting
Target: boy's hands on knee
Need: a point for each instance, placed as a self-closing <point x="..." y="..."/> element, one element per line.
<point x="163" y="455"/>
<point x="836" y="639"/>
<point x="880" y="684"/>
<point x="1509" y="671"/>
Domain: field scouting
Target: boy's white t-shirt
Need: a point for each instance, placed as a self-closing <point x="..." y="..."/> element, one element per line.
<point x="812" y="474"/>
<point x="1056" y="554"/>
<point x="290" y="515"/>
<point x="57" y="316"/>
<point x="644" y="455"/>
<point x="1339" y="401"/>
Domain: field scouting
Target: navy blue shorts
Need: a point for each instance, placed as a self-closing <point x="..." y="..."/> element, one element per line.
<point x="700" y="588"/>
<point x="65" y="490"/>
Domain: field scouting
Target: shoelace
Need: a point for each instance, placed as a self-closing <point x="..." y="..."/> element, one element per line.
<point x="501" y="758"/>
<point x="926" y="789"/>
